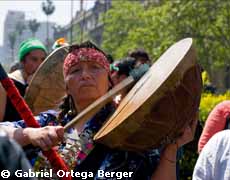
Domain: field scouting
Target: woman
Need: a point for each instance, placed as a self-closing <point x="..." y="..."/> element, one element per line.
<point x="218" y="120"/>
<point x="32" y="53"/>
<point x="87" y="77"/>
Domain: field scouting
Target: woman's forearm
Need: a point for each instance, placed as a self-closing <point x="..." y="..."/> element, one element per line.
<point x="18" y="134"/>
<point x="44" y="137"/>
<point x="166" y="170"/>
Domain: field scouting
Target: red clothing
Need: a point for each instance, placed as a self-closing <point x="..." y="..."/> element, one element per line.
<point x="216" y="122"/>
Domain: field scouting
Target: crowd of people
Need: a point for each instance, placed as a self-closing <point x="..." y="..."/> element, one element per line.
<point x="87" y="68"/>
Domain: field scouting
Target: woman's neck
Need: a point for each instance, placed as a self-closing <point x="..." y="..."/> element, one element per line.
<point x="83" y="105"/>
<point x="25" y="76"/>
<point x="80" y="107"/>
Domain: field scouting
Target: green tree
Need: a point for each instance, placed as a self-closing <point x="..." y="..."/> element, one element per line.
<point x="20" y="27"/>
<point x="156" y="26"/>
<point x="208" y="22"/>
<point x="57" y="30"/>
<point x="33" y="25"/>
<point x="119" y="21"/>
<point x="78" y="35"/>
<point x="48" y="8"/>
<point x="131" y="25"/>
<point x="12" y="40"/>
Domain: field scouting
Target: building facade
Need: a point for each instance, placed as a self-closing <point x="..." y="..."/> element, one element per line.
<point x="89" y="24"/>
<point x="13" y="20"/>
<point x="85" y="24"/>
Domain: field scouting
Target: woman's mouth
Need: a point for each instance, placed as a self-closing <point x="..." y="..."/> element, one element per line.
<point x="85" y="85"/>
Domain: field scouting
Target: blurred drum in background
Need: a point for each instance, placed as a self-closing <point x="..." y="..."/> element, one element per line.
<point x="47" y="87"/>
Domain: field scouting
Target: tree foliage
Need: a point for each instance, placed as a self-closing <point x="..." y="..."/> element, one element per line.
<point x="33" y="25"/>
<point x="20" y="27"/>
<point x="12" y="36"/>
<point x="119" y="22"/>
<point x="79" y="35"/>
<point x="48" y="7"/>
<point x="155" y="27"/>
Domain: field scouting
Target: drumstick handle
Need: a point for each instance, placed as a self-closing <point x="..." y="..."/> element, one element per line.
<point x="93" y="108"/>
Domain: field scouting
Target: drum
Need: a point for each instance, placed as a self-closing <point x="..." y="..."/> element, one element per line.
<point x="47" y="87"/>
<point x="160" y="105"/>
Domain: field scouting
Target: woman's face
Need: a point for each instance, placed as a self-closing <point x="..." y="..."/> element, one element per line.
<point x="33" y="60"/>
<point x="116" y="78"/>
<point x="87" y="81"/>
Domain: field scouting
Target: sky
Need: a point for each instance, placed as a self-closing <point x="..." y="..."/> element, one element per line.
<point x="33" y="10"/>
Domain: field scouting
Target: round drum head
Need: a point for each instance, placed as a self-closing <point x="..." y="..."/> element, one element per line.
<point x="160" y="104"/>
<point x="47" y="87"/>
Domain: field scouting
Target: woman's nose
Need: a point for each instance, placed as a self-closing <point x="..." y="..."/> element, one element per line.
<point x="85" y="74"/>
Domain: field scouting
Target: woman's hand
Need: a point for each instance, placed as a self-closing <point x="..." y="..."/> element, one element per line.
<point x="170" y="150"/>
<point x="188" y="134"/>
<point x="168" y="156"/>
<point x="45" y="137"/>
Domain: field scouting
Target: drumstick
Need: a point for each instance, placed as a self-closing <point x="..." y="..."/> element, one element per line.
<point x="93" y="108"/>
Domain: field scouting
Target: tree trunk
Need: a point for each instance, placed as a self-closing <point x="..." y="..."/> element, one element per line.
<point x="12" y="51"/>
<point x="47" y="33"/>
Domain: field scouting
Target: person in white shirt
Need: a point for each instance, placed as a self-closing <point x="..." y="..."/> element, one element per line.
<point x="214" y="160"/>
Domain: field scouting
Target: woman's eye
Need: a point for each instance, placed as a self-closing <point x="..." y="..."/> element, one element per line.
<point x="75" y="71"/>
<point x="34" y="59"/>
<point x="96" y="67"/>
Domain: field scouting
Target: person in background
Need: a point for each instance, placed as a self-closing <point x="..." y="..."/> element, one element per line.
<point x="110" y="58"/>
<point x="214" y="160"/>
<point x="208" y="86"/>
<point x="141" y="57"/>
<point x="122" y="69"/>
<point x="15" y="67"/>
<point x="218" y="120"/>
<point x="32" y="53"/>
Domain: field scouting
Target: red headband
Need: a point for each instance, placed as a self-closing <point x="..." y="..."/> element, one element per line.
<point x="85" y="54"/>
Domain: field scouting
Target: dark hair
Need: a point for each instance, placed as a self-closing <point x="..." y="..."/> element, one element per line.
<point x="140" y="54"/>
<point x="126" y="65"/>
<point x="66" y="107"/>
<point x="86" y="44"/>
<point x="110" y="58"/>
